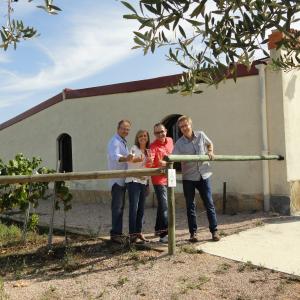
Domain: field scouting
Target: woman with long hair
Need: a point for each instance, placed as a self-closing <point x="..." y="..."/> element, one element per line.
<point x="137" y="186"/>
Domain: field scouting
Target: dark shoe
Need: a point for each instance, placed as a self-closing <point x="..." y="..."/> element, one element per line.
<point x="133" y="238"/>
<point x="215" y="236"/>
<point x="118" y="239"/>
<point x="142" y="238"/>
<point x="164" y="239"/>
<point x="193" y="238"/>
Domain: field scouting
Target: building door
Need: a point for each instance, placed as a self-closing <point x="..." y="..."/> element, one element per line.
<point x="64" y="142"/>
<point x="170" y="122"/>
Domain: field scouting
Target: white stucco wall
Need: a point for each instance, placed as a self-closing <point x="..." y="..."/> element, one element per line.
<point x="276" y="132"/>
<point x="230" y="115"/>
<point x="291" y="100"/>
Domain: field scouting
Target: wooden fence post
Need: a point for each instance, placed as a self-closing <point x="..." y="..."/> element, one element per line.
<point x="224" y="198"/>
<point x="26" y="219"/>
<point x="171" y="215"/>
<point x="51" y="223"/>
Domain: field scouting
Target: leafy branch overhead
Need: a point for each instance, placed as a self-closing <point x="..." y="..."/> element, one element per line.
<point x="14" y="31"/>
<point x="209" y="38"/>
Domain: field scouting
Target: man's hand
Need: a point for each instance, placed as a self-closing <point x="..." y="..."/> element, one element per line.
<point x="129" y="157"/>
<point x="162" y="163"/>
<point x="211" y="154"/>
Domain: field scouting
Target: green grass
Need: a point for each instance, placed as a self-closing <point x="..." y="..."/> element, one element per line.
<point x="9" y="234"/>
<point x="121" y="281"/>
<point x="195" y="285"/>
<point x="223" y="233"/>
<point x="3" y="295"/>
<point x="259" y="223"/>
<point x="190" y="249"/>
<point x="292" y="278"/>
<point x="70" y="262"/>
<point x="249" y="266"/>
<point x="223" y="268"/>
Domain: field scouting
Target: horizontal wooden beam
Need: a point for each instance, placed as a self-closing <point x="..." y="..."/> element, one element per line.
<point x="180" y="158"/>
<point x="80" y="175"/>
<point x="128" y="173"/>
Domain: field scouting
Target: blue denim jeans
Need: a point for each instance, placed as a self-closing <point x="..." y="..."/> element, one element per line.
<point x="137" y="197"/>
<point x="117" y="208"/>
<point x="161" y="224"/>
<point x="204" y="188"/>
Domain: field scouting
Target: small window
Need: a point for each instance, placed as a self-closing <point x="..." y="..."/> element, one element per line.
<point x="64" y="142"/>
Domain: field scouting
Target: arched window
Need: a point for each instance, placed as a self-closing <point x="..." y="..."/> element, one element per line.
<point x="64" y="143"/>
<point x="174" y="132"/>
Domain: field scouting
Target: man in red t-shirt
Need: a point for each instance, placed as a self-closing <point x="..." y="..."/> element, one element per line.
<point x="161" y="147"/>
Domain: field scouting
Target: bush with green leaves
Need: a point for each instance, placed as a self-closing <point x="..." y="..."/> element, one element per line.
<point x="18" y="196"/>
<point x="63" y="195"/>
<point x="33" y="222"/>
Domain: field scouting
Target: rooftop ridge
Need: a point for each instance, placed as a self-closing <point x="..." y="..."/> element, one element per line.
<point x="124" y="87"/>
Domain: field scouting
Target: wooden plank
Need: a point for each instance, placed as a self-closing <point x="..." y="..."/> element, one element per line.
<point x="80" y="175"/>
<point x="171" y="217"/>
<point x="188" y="158"/>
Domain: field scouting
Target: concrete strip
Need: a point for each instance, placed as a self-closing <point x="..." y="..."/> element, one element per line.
<point x="274" y="246"/>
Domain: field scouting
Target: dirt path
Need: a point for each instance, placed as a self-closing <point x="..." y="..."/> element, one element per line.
<point x="97" y="269"/>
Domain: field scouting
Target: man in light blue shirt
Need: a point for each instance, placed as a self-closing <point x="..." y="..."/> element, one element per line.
<point x="196" y="175"/>
<point x="117" y="157"/>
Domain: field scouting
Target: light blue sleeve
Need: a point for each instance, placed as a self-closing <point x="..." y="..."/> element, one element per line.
<point x="114" y="152"/>
<point x="207" y="140"/>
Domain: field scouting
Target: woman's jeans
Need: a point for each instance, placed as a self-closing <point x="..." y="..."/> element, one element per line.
<point x="137" y="198"/>
<point x="204" y="188"/>
<point x="161" y="224"/>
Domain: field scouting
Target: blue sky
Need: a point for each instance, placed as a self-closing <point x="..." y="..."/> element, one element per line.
<point x="87" y="44"/>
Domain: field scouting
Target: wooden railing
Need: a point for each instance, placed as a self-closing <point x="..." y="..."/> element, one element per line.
<point x="138" y="172"/>
<point x="198" y="158"/>
<point x="80" y="175"/>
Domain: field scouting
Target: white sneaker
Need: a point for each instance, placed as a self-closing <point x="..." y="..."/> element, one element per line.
<point x="164" y="240"/>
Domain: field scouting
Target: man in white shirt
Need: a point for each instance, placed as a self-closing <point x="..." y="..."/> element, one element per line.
<point x="117" y="157"/>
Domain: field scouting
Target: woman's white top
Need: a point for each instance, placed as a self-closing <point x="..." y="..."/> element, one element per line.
<point x="138" y="165"/>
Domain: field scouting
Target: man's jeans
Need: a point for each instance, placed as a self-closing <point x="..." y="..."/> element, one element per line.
<point x="204" y="188"/>
<point x="117" y="208"/>
<point x="161" y="224"/>
<point x="137" y="197"/>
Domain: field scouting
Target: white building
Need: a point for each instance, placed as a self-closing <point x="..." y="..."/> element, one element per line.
<point x="258" y="114"/>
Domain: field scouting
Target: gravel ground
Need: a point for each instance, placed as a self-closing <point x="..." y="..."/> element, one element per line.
<point x="97" y="269"/>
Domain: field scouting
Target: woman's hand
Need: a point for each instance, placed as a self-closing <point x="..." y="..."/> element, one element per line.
<point x="138" y="159"/>
<point x="149" y="161"/>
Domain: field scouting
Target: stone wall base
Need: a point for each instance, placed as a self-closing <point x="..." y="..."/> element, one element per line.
<point x="280" y="204"/>
<point x="295" y="198"/>
<point x="235" y="202"/>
